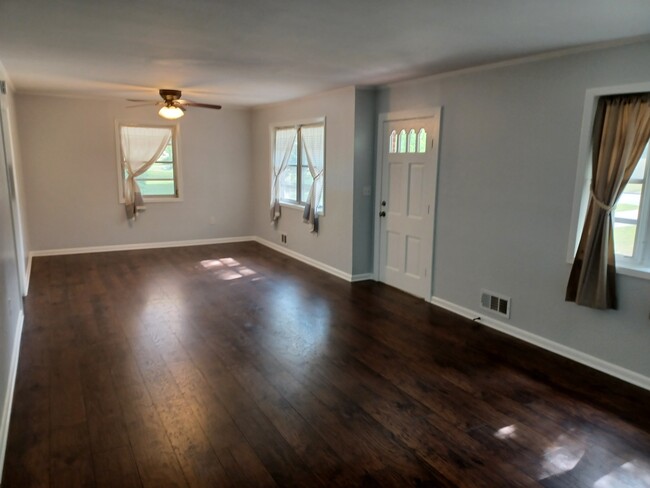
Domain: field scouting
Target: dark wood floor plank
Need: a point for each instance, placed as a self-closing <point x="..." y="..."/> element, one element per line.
<point x="233" y="365"/>
<point x="116" y="468"/>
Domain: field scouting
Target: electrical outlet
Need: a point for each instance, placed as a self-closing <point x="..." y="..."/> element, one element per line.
<point x="283" y="238"/>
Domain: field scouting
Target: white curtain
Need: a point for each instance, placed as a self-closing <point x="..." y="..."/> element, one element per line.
<point x="284" y="141"/>
<point x="141" y="147"/>
<point x="313" y="152"/>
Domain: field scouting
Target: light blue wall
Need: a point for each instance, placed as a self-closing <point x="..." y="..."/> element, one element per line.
<point x="508" y="160"/>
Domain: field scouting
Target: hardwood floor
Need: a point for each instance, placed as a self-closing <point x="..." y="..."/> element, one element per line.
<point x="233" y="365"/>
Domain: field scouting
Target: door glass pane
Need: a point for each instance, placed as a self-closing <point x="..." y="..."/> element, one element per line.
<point x="412" y="141"/>
<point x="402" y="142"/>
<point x="392" y="144"/>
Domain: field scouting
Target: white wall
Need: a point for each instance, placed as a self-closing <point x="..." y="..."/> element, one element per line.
<point x="70" y="176"/>
<point x="509" y="151"/>
<point x="11" y="306"/>
<point x="333" y="244"/>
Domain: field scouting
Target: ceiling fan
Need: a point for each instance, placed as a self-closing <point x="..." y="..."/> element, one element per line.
<point x="173" y="107"/>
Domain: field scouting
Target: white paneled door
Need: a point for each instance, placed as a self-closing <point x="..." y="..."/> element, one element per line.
<point x="406" y="210"/>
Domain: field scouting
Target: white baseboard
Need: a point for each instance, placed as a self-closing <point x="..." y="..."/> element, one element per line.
<point x="200" y="242"/>
<point x="362" y="277"/>
<point x="305" y="259"/>
<point x="6" y="408"/>
<point x="133" y="247"/>
<point x="568" y="352"/>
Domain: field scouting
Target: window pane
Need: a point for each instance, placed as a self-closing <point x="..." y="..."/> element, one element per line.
<point x="639" y="171"/>
<point x="288" y="183"/>
<point x="289" y="178"/>
<point x="628" y="204"/>
<point x="624" y="236"/>
<point x="167" y="155"/>
<point x="158" y="171"/>
<point x="307" y="180"/>
<point x="157" y="188"/>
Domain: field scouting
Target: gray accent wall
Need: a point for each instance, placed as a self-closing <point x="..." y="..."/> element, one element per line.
<point x="508" y="161"/>
<point x="365" y="132"/>
<point x="69" y="157"/>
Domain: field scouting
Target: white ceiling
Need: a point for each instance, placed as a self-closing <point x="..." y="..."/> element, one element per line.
<point x="251" y="52"/>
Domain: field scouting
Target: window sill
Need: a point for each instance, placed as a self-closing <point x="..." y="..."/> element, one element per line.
<point x="642" y="272"/>
<point x="297" y="206"/>
<point x="157" y="200"/>
<point x="292" y="205"/>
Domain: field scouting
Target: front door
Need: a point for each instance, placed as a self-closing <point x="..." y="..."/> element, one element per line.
<point x="409" y="170"/>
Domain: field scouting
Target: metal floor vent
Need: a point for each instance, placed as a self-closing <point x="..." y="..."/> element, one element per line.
<point x="496" y="303"/>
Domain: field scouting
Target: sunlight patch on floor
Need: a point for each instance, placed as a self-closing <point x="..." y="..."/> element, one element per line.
<point x="507" y="432"/>
<point x="562" y="456"/>
<point x="227" y="268"/>
<point x="630" y="475"/>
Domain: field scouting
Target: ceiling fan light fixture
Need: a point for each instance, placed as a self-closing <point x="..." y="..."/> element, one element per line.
<point x="171" y="112"/>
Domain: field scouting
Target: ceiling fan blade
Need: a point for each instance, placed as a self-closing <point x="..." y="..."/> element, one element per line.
<point x="149" y="104"/>
<point x="195" y="104"/>
<point x="138" y="100"/>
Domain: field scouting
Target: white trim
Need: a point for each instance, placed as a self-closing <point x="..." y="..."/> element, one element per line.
<point x="583" y="173"/>
<point x="28" y="273"/>
<point x="178" y="174"/>
<point x="203" y="242"/>
<point x="144" y="245"/>
<point x="362" y="277"/>
<point x="6" y="408"/>
<point x="305" y="259"/>
<point x="557" y="53"/>
<point x="555" y="347"/>
<point x="434" y="113"/>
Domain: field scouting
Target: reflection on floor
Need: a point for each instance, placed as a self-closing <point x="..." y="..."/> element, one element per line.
<point x="233" y="365"/>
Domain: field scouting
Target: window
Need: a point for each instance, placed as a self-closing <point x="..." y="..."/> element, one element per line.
<point x="160" y="181"/>
<point x="296" y="179"/>
<point x="631" y="214"/>
<point x="417" y="143"/>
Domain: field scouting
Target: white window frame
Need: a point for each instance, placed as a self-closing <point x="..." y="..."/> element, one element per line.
<point x="178" y="197"/>
<point x="296" y="204"/>
<point x="639" y="265"/>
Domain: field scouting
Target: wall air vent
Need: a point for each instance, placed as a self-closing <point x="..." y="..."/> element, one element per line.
<point x="496" y="303"/>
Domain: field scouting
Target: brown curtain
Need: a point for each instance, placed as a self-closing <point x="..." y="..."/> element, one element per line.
<point x="621" y="132"/>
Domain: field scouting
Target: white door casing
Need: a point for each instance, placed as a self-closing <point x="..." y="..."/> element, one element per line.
<point x="406" y="204"/>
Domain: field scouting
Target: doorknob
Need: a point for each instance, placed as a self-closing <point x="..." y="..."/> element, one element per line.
<point x="382" y="214"/>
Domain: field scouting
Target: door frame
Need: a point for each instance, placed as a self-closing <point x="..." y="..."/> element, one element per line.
<point x="432" y="112"/>
<point x="9" y="161"/>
